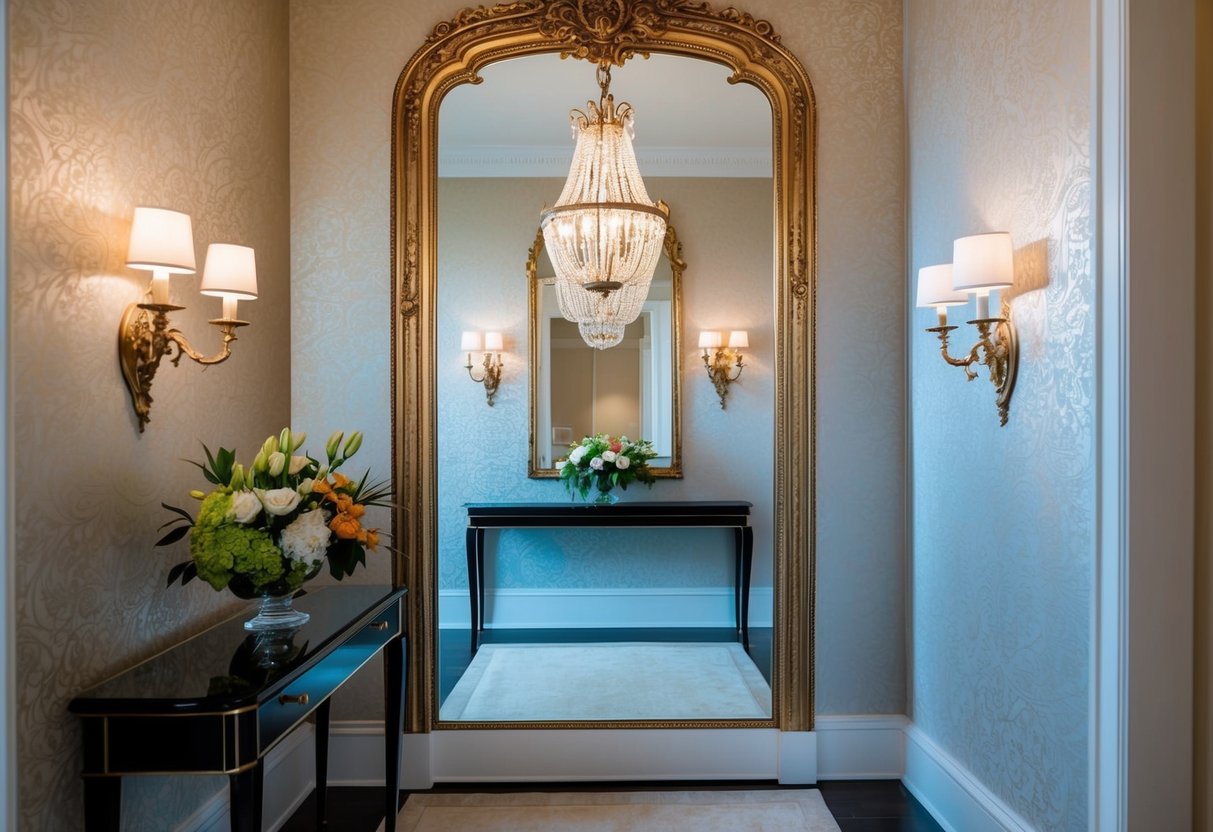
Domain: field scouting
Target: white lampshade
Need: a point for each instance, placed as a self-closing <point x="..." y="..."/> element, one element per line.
<point x="230" y="272"/>
<point x="493" y="342"/>
<point x="710" y="340"/>
<point x="161" y="240"/>
<point x="470" y="342"/>
<point x="935" y="287"/>
<point x="983" y="262"/>
<point x="739" y="339"/>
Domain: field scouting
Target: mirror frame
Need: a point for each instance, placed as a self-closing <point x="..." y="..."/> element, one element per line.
<point x="672" y="249"/>
<point x="453" y="54"/>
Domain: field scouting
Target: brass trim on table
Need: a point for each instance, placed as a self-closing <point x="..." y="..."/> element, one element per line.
<point x="609" y="34"/>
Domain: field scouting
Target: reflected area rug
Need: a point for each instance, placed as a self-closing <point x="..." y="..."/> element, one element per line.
<point x="791" y="810"/>
<point x="621" y="680"/>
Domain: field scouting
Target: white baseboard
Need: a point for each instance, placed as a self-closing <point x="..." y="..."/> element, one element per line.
<point x="290" y="776"/>
<point x="612" y="607"/>
<point x="860" y="746"/>
<point x="951" y="793"/>
<point x="851" y="747"/>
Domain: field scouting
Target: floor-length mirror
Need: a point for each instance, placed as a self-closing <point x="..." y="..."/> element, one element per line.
<point x="603" y="624"/>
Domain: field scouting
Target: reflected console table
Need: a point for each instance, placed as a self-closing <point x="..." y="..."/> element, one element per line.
<point x="698" y="514"/>
<point x="217" y="702"/>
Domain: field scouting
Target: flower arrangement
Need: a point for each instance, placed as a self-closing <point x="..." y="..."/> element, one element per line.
<point x="266" y="529"/>
<point x="603" y="462"/>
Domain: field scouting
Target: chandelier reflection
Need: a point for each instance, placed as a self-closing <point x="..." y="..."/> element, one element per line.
<point x="604" y="235"/>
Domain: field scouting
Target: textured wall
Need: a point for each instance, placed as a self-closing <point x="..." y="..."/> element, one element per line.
<point x="725" y="226"/>
<point x="114" y="103"/>
<point x="999" y="119"/>
<point x="345" y="58"/>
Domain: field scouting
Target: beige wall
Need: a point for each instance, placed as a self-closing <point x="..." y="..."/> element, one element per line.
<point x="114" y="103"/>
<point x="1203" y="786"/>
<point x="345" y="58"/>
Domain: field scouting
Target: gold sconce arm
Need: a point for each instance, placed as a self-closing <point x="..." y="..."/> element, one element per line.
<point x="723" y="369"/>
<point x="997" y="348"/>
<point x="145" y="337"/>
<point x="492" y="374"/>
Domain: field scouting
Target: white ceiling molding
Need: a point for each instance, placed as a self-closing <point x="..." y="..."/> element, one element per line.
<point x="508" y="161"/>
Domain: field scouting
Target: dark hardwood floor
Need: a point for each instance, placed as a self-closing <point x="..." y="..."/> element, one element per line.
<point x="857" y="805"/>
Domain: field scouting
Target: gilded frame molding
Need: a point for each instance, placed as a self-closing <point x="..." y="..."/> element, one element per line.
<point x="673" y="253"/>
<point x="611" y="33"/>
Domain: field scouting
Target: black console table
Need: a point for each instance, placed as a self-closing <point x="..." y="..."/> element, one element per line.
<point x="709" y="514"/>
<point x="216" y="703"/>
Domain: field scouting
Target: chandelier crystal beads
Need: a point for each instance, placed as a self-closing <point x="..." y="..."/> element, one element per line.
<point x="604" y="235"/>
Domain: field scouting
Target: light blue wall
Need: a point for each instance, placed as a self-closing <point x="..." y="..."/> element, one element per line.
<point x="485" y="229"/>
<point x="1003" y="518"/>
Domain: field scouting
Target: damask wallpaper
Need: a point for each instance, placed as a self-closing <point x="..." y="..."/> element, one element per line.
<point x="345" y="58"/>
<point x="114" y="103"/>
<point x="1003" y="520"/>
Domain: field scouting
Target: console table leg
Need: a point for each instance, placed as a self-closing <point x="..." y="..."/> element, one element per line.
<point x="393" y="695"/>
<point x="747" y="565"/>
<point x="473" y="581"/>
<point x="738" y="579"/>
<point x="102" y="804"/>
<point x="480" y="578"/>
<point x="322" y="762"/>
<point x="246" y="788"/>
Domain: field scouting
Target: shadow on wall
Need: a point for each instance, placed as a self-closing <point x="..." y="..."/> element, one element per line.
<point x="1031" y="268"/>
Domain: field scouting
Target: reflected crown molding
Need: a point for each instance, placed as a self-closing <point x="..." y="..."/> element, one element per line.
<point x="503" y="161"/>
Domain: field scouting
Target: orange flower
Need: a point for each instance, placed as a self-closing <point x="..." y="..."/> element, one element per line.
<point x="345" y="526"/>
<point x="322" y="488"/>
<point x="372" y="539"/>
<point x="340" y="481"/>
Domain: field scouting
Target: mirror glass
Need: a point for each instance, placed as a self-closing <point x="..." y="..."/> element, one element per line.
<point x="631" y="389"/>
<point x="649" y="600"/>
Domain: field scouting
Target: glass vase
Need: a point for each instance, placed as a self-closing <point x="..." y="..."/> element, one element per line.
<point x="606" y="497"/>
<point x="277" y="612"/>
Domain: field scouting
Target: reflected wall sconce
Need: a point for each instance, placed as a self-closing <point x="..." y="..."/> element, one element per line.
<point x="491" y="344"/>
<point x="162" y="242"/>
<point x="723" y="358"/>
<point x="980" y="263"/>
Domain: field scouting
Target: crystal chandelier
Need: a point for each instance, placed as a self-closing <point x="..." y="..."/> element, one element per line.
<point x="604" y="235"/>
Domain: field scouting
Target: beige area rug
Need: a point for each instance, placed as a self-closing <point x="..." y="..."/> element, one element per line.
<point x="791" y="810"/>
<point x="621" y="680"/>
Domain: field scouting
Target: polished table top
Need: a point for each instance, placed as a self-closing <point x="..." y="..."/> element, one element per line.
<point x="671" y="512"/>
<point x="226" y="667"/>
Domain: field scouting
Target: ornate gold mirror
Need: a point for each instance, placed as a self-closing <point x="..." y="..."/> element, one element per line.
<point x="427" y="400"/>
<point x="634" y="389"/>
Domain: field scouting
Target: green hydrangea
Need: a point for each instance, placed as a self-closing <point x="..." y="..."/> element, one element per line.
<point x="222" y="549"/>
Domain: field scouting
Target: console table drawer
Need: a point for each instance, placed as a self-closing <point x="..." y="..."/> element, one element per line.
<point x="294" y="702"/>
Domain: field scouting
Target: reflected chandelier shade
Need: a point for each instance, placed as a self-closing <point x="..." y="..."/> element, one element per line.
<point x="604" y="235"/>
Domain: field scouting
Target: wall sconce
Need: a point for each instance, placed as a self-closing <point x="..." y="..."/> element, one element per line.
<point x="721" y="358"/>
<point x="162" y="242"/>
<point x="491" y="346"/>
<point x="980" y="263"/>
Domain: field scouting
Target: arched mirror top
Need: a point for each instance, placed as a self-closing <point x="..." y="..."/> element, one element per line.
<point x="453" y="54"/>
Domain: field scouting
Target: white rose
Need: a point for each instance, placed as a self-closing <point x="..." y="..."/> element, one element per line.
<point x="279" y="501"/>
<point x="245" y="507"/>
<point x="622" y="462"/>
<point x="307" y="539"/>
<point x="608" y="456"/>
<point x="577" y="455"/>
<point x="596" y="463"/>
<point x="298" y="463"/>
